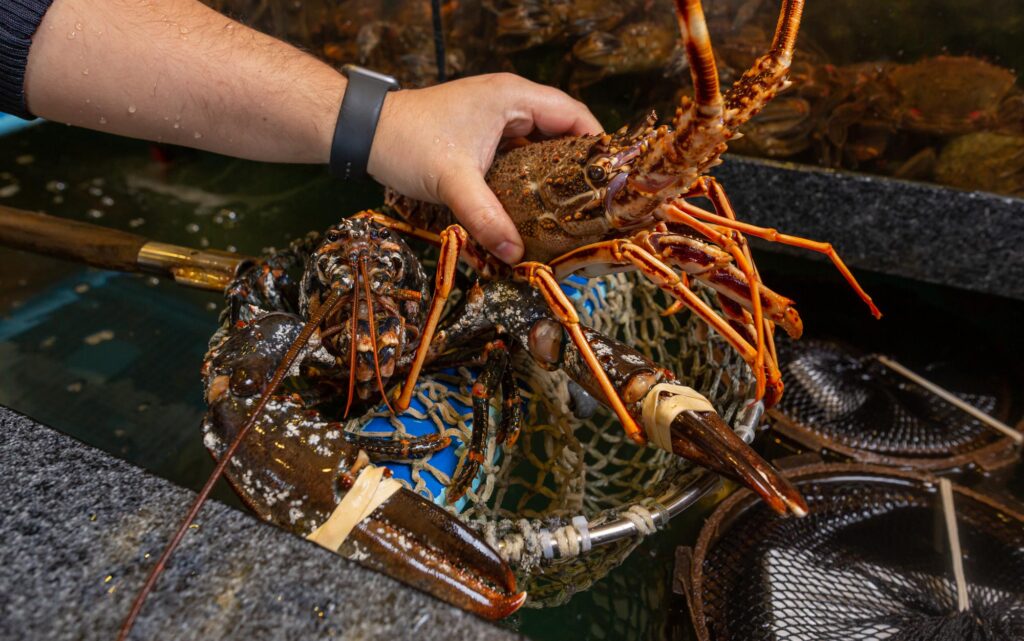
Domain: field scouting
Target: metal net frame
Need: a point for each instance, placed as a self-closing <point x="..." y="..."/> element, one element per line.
<point x="867" y="563"/>
<point x="852" y="404"/>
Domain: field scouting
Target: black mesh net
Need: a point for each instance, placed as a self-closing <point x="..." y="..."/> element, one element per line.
<point x="857" y="402"/>
<point x="868" y="562"/>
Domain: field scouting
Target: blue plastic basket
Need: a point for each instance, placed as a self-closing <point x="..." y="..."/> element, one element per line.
<point x="10" y="124"/>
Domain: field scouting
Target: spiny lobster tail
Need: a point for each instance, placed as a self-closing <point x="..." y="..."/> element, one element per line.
<point x="293" y="352"/>
<point x="694" y="29"/>
<point x="768" y="75"/>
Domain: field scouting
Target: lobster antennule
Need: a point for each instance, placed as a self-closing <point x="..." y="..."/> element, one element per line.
<point x="282" y="370"/>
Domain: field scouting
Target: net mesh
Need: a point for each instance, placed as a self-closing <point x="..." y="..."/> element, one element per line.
<point x="857" y="402"/>
<point x="866" y="563"/>
<point x="564" y="467"/>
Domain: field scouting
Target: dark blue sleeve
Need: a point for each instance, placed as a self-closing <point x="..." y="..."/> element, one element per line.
<point x="19" y="19"/>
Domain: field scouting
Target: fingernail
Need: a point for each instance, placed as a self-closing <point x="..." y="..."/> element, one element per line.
<point x="508" y="252"/>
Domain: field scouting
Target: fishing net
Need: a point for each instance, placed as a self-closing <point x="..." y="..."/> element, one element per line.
<point x="855" y="405"/>
<point x="870" y="561"/>
<point x="567" y="475"/>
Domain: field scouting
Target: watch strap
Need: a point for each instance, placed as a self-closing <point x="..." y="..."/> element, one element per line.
<point x="357" y="120"/>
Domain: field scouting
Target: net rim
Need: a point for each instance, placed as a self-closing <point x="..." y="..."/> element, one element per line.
<point x="991" y="457"/>
<point x="736" y="505"/>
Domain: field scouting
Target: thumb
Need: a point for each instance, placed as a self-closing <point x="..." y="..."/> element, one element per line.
<point x="479" y="211"/>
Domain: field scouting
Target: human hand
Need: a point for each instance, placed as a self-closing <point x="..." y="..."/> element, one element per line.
<point x="436" y="144"/>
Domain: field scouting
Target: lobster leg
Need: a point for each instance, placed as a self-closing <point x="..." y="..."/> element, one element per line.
<point x="687" y="213"/>
<point x="722" y="205"/>
<point x="453" y="239"/>
<point x="382" y="448"/>
<point x="484" y="389"/>
<point x="511" y="409"/>
<point x="539" y="276"/>
<point x="623" y="252"/>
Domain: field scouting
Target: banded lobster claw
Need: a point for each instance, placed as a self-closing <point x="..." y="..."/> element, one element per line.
<point x="420" y="544"/>
<point x="297" y="469"/>
<point x="707" y="440"/>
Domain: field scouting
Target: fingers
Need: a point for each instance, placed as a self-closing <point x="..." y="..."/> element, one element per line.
<point x="479" y="211"/>
<point x="547" y="110"/>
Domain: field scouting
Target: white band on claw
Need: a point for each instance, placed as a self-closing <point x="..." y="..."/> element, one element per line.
<point x="659" y="413"/>
<point x="369" y="492"/>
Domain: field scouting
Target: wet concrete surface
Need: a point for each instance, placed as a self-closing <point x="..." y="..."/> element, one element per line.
<point x="80" y="530"/>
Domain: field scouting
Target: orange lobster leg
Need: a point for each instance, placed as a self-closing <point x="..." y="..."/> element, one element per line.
<point x="540" y="277"/>
<point x="713" y="190"/>
<point x="453" y="239"/>
<point x="624" y="252"/>
<point x="687" y="209"/>
<point x="746" y="266"/>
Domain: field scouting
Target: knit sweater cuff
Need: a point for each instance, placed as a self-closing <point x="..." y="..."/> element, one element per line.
<point x="19" y="19"/>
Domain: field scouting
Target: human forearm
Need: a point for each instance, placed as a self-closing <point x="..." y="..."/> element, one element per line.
<point x="178" y="72"/>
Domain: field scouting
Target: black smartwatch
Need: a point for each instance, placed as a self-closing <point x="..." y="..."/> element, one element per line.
<point x="357" y="120"/>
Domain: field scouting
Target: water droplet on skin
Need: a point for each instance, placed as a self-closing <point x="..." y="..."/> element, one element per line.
<point x="197" y="135"/>
<point x="71" y="36"/>
<point x="78" y="26"/>
<point x="131" y="109"/>
<point x="437" y="139"/>
<point x="103" y="120"/>
<point x="85" y="72"/>
<point x="183" y="30"/>
<point x="176" y="125"/>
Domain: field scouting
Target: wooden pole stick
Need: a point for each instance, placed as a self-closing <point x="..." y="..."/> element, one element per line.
<point x="953" y="400"/>
<point x="116" y="250"/>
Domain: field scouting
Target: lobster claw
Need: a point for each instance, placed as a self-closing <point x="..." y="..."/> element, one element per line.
<point x="418" y="543"/>
<point x="704" y="438"/>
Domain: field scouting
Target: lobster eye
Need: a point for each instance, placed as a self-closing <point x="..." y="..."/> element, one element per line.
<point x="333" y="235"/>
<point x="597" y="175"/>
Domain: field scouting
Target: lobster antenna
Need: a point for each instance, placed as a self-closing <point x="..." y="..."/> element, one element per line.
<point x="373" y="336"/>
<point x="286" y="363"/>
<point x="787" y="29"/>
<point x="353" y="335"/>
<point x="694" y="29"/>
